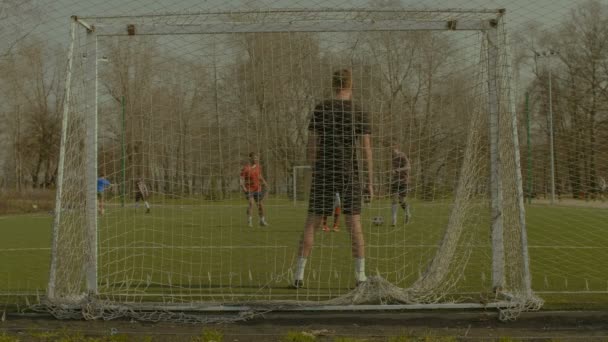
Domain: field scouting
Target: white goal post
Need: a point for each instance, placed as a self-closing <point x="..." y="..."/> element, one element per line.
<point x="181" y="256"/>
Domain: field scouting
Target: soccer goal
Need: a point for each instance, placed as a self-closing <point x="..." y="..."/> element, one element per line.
<point x="179" y="101"/>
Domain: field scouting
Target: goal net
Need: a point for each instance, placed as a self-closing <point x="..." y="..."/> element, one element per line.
<point x="175" y="104"/>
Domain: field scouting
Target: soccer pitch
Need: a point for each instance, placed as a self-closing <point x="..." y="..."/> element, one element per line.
<point x="193" y="250"/>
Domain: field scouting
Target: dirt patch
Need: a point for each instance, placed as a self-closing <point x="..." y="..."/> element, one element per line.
<point x="479" y="325"/>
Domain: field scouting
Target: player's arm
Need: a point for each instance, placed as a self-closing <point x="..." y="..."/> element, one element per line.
<point x="109" y="186"/>
<point x="311" y="148"/>
<point x="366" y="142"/>
<point x="263" y="181"/>
<point x="242" y="182"/>
<point x="407" y="168"/>
<point x="404" y="168"/>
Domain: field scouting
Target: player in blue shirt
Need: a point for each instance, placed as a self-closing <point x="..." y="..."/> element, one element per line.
<point x="102" y="185"/>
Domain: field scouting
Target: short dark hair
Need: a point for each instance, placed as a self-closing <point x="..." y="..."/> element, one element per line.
<point x="252" y="154"/>
<point x="342" y="79"/>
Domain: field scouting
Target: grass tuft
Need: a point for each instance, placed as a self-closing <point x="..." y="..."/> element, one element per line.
<point x="296" y="336"/>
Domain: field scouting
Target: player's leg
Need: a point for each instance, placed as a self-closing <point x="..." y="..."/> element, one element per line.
<point x="100" y="200"/>
<point x="394" y="208"/>
<point x="137" y="199"/>
<point x="352" y="215"/>
<point x="324" y="223"/>
<point x="259" y="198"/>
<point x="306" y="242"/>
<point x="250" y="203"/>
<point x="403" y="190"/>
<point x="146" y="204"/>
<point x="406" y="207"/>
<point x="319" y="205"/>
<point x="353" y="224"/>
<point x="337" y="211"/>
<point x="394" y="191"/>
<point x="320" y="200"/>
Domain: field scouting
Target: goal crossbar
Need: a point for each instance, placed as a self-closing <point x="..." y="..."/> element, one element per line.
<point x="304" y="26"/>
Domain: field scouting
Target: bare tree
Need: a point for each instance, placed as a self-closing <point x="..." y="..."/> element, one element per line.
<point x="17" y="22"/>
<point x="583" y="47"/>
<point x="280" y="80"/>
<point x="32" y="83"/>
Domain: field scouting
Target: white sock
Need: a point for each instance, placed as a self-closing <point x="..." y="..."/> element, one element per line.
<point x="300" y="268"/>
<point x="394" y="210"/>
<point x="147" y="205"/>
<point x="263" y="219"/>
<point x="360" y="269"/>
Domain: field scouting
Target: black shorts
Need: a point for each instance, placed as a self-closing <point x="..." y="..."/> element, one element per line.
<point x="324" y="187"/>
<point x="139" y="197"/>
<point x="256" y="195"/>
<point x="399" y="187"/>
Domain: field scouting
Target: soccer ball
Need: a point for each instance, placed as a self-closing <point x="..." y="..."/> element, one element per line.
<point x="377" y="220"/>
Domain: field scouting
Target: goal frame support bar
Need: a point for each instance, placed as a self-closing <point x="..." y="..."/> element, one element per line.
<point x="91" y="150"/>
<point x="62" y="148"/>
<point x="498" y="254"/>
<point x="202" y="308"/>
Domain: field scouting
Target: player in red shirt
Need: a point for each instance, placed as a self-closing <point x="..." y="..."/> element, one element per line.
<point x="252" y="183"/>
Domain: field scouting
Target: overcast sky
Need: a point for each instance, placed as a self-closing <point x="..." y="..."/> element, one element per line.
<point x="53" y="23"/>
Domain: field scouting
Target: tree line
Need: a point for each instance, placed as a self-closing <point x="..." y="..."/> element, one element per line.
<point x="195" y="107"/>
<point x="578" y="68"/>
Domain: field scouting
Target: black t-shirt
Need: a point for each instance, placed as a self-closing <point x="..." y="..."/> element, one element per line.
<point x="338" y="124"/>
<point x="401" y="167"/>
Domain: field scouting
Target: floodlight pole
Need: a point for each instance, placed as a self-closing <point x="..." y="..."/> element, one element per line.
<point x="551" y="147"/>
<point x="549" y="54"/>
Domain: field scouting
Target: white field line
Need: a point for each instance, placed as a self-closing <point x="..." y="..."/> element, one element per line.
<point x="284" y="246"/>
<point x="302" y="205"/>
<point x="35" y="215"/>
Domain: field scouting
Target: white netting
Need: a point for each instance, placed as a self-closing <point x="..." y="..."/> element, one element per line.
<point x="180" y="111"/>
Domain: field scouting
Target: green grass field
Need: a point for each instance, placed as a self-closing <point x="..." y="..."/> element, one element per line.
<point x="183" y="251"/>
